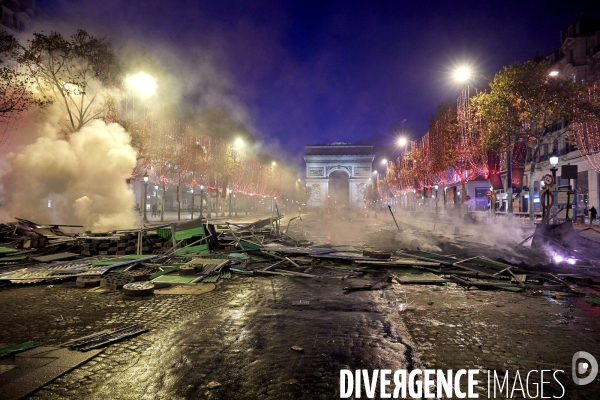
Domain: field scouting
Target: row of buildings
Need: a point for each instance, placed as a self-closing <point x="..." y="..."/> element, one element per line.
<point x="339" y="174"/>
<point x="577" y="57"/>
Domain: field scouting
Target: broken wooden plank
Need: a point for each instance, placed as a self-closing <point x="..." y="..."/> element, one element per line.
<point x="55" y="257"/>
<point x="297" y="273"/>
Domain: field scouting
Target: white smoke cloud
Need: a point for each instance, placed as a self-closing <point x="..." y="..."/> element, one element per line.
<point x="80" y="181"/>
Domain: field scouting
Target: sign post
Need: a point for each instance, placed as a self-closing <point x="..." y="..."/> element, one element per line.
<point x="489" y="194"/>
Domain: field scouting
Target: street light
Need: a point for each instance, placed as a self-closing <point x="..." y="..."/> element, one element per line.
<point x="402" y="142"/>
<point x="201" y="198"/>
<point x="436" y="187"/>
<point x="192" y="214"/>
<point x="554" y="162"/>
<point x="462" y="74"/>
<point x="384" y="161"/>
<point x="142" y="83"/>
<point x="145" y="220"/>
<point x="156" y="197"/>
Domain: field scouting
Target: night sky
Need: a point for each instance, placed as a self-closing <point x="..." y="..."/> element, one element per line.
<point x="299" y="72"/>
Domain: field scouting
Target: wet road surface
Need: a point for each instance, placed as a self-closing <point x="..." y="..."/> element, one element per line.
<point x="241" y="335"/>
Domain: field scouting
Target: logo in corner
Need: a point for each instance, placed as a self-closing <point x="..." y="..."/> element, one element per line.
<point x="581" y="367"/>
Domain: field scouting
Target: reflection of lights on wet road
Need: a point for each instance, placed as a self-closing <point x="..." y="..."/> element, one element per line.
<point x="236" y="314"/>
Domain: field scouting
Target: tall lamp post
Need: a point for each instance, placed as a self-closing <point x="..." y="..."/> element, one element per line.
<point x="238" y="144"/>
<point x="436" y="187"/>
<point x="201" y="199"/>
<point x="554" y="162"/>
<point x="155" y="198"/>
<point x="192" y="216"/>
<point x="145" y="220"/>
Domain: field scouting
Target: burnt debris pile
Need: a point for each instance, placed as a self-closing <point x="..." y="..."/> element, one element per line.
<point x="139" y="261"/>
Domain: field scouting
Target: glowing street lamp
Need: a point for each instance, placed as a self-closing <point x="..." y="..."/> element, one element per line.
<point x="554" y="162"/>
<point x="462" y="74"/>
<point x="235" y="150"/>
<point x="436" y="187"/>
<point x="201" y="199"/>
<point x="142" y="83"/>
<point x="402" y="141"/>
<point x="553" y="73"/>
<point x="192" y="212"/>
<point x="384" y="161"/>
<point x="145" y="220"/>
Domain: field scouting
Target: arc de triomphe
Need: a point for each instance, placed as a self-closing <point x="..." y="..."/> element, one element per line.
<point x="338" y="174"/>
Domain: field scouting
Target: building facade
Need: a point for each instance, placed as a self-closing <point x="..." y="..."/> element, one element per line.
<point x="578" y="57"/>
<point x="16" y="15"/>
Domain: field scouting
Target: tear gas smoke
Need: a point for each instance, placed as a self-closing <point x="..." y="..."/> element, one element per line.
<point x="501" y="233"/>
<point x="80" y="181"/>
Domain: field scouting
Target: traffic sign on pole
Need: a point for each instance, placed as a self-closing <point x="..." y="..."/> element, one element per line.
<point x="547" y="199"/>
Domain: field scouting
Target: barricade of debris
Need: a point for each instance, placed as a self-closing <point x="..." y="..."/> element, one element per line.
<point x="194" y="252"/>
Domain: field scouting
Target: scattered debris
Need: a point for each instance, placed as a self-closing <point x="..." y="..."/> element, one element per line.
<point x="196" y="252"/>
<point x="17" y="348"/>
<point x="297" y="348"/>
<point x="138" y="289"/>
<point x="593" y="301"/>
<point x="105" y="337"/>
<point x="213" y="385"/>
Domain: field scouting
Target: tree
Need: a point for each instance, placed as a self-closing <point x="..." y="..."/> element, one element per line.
<point x="524" y="102"/>
<point x="371" y="194"/>
<point x="74" y="71"/>
<point x="162" y="154"/>
<point x="585" y="129"/>
<point x="16" y="95"/>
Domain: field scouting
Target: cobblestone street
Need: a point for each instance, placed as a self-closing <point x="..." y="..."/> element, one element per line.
<point x="241" y="335"/>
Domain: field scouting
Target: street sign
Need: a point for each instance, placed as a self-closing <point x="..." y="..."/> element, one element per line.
<point x="467" y="198"/>
<point x="548" y="179"/>
<point x="437" y="199"/>
<point x="568" y="172"/>
<point x="547" y="199"/>
<point x="489" y="193"/>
